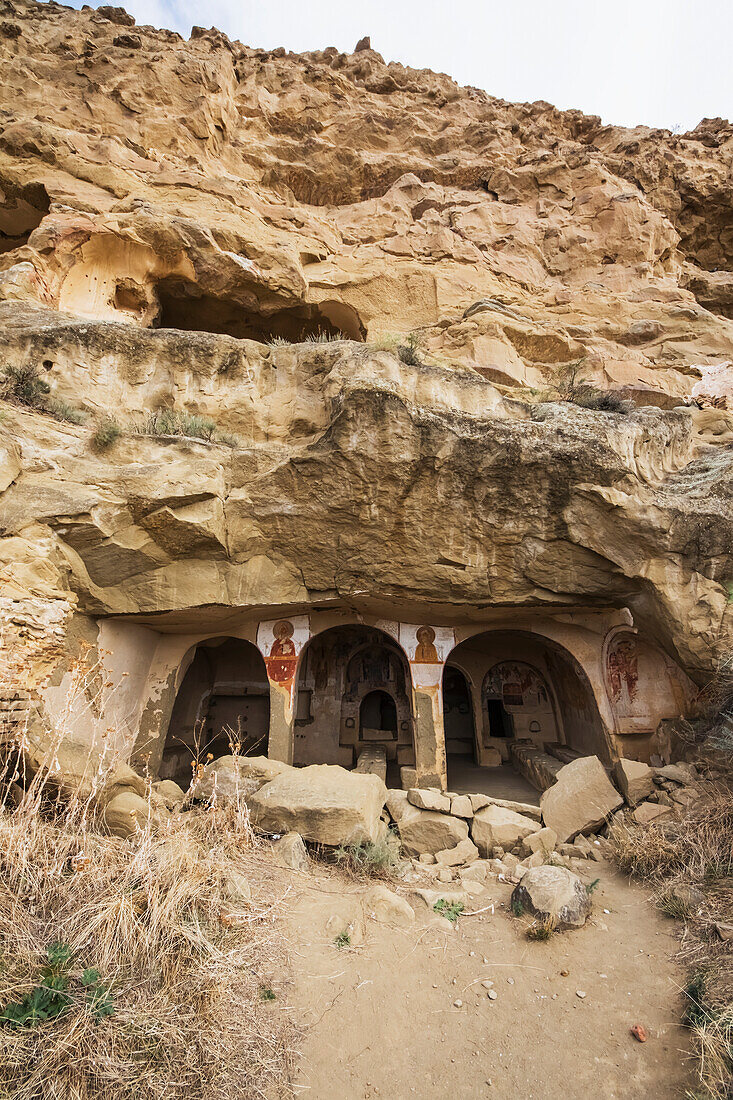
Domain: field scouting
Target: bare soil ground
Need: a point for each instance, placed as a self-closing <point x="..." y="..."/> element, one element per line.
<point x="381" y="1017"/>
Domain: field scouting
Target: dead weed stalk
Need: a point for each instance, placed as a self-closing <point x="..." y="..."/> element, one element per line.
<point x="134" y="968"/>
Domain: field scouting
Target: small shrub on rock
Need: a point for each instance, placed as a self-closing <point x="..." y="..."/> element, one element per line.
<point x="106" y="434"/>
<point x="370" y="857"/>
<point x="24" y="385"/>
<point x="172" y="422"/>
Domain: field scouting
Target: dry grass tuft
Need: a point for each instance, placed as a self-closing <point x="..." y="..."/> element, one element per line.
<point x="160" y="998"/>
<point x="695" y="851"/>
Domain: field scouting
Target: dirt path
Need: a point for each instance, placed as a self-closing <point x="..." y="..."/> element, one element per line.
<point x="382" y="1021"/>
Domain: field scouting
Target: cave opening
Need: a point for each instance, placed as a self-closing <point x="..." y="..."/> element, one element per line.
<point x="293" y="324"/>
<point x="22" y="211"/>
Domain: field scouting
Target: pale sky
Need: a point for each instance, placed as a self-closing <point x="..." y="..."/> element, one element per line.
<point x="653" y="62"/>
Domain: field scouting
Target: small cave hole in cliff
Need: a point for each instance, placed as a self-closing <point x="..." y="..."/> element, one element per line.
<point x="21" y="211"/>
<point x="293" y="324"/>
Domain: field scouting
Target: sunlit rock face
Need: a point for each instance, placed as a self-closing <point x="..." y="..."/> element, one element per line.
<point x="250" y="237"/>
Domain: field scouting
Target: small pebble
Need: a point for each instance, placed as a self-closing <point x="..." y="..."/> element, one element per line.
<point x="459" y="1004"/>
<point x="510" y="981"/>
<point x="564" y="973"/>
<point x="579" y="993"/>
<point x="492" y="994"/>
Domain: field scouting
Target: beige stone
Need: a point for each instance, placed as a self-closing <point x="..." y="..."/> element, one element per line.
<point x="291" y="852"/>
<point x="495" y="825"/>
<point x="543" y="841"/>
<point x="554" y="895"/>
<point x="126" y="814"/>
<point x="429" y="800"/>
<point x="323" y="802"/>
<point x="236" y="777"/>
<point x="634" y="779"/>
<point x="464" y="852"/>
<point x="461" y="806"/>
<point x="646" y="812"/>
<point x="581" y="799"/>
<point x="170" y="792"/>
<point x="425" y="831"/>
<point x="383" y="905"/>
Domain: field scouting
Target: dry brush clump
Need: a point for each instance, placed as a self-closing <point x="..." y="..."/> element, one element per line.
<point x="688" y="863"/>
<point x="135" y="968"/>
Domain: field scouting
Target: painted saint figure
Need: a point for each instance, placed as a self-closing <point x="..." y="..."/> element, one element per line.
<point x="283" y="657"/>
<point x="623" y="669"/>
<point x="425" y="651"/>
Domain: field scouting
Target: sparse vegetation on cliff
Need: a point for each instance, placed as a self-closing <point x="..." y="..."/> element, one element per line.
<point x="172" y="422"/>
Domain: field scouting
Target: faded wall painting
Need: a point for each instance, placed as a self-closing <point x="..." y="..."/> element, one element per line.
<point x="516" y="702"/>
<point x="427" y="648"/>
<point x="644" y="685"/>
<point x="280" y="642"/>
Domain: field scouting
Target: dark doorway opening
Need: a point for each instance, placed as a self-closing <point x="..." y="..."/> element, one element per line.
<point x="222" y="707"/>
<point x="377" y="713"/>
<point x="500" y="722"/>
<point x="460" y="731"/>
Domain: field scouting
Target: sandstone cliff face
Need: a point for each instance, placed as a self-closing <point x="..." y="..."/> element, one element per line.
<point x="177" y="218"/>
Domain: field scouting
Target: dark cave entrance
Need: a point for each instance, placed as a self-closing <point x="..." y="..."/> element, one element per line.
<point x="22" y="211"/>
<point x="294" y="324"/>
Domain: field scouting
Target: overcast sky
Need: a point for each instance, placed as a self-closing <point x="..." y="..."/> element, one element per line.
<point x="655" y="62"/>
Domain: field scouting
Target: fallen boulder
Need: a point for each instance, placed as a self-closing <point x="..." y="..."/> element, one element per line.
<point x="495" y="826"/>
<point x="429" y="799"/>
<point x="464" y="852"/>
<point x="323" y="802"/>
<point x="553" y="895"/>
<point x="234" y="777"/>
<point x="127" y="813"/>
<point x="634" y="779"/>
<point x="427" y="831"/>
<point x="580" y="800"/>
<point x="646" y="812"/>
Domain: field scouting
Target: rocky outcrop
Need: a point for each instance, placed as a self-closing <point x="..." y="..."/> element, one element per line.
<point x="554" y="895"/>
<point x="391" y="344"/>
<point x="324" y="803"/>
<point x="581" y="800"/>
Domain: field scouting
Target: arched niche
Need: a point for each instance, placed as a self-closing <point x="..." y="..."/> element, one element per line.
<point x="458" y="716"/>
<point x="644" y="685"/>
<point x="529" y="687"/>
<point x="223" y="701"/>
<point x="517" y="703"/>
<point x="339" y="670"/>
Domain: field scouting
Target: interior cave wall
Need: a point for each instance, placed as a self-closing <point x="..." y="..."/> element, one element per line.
<point x="293" y="324"/>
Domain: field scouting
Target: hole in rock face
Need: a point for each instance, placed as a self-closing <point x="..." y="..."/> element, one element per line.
<point x="294" y="324"/>
<point x="22" y="209"/>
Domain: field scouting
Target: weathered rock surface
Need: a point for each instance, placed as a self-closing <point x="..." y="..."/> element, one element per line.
<point x="634" y="779"/>
<point x="429" y="800"/>
<point x="580" y="800"/>
<point x="383" y="905"/>
<point x="323" y="802"/>
<point x="291" y="852"/>
<point x="177" y="218"/>
<point x="553" y="895"/>
<point x="495" y="826"/>
<point x="646" y="812"/>
<point x="233" y="778"/>
<point x="429" y="831"/>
